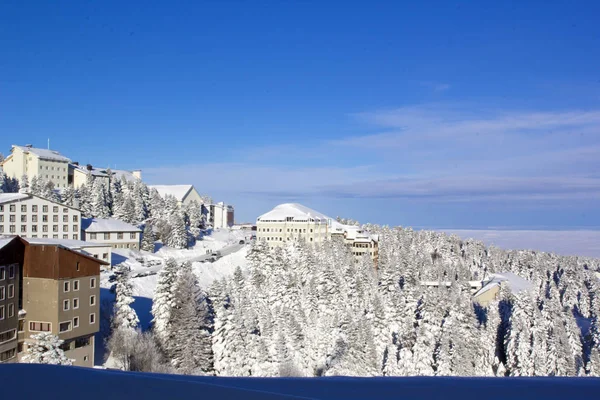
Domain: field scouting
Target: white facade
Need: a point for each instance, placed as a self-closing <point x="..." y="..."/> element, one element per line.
<point x="35" y="217"/>
<point x="220" y="215"/>
<point x="115" y="233"/>
<point x="292" y="221"/>
<point x="184" y="194"/>
<point x="44" y="164"/>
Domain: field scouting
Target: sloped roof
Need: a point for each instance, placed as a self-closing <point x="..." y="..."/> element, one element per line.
<point x="5" y="240"/>
<point x="107" y="225"/>
<point x="295" y="211"/>
<point x="120" y="173"/>
<point x="8" y="197"/>
<point x="71" y="244"/>
<point x="45" y="154"/>
<point x="94" y="171"/>
<point x="515" y="283"/>
<point x="177" y="191"/>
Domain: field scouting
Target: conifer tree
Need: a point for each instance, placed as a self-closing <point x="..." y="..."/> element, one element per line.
<point x="46" y="350"/>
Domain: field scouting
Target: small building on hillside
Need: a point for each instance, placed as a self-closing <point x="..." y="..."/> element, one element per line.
<point x="220" y="215"/>
<point x="491" y="287"/>
<point x="32" y="216"/>
<point x="115" y="233"/>
<point x="45" y="164"/>
<point x="184" y="194"/>
<point x="101" y="251"/>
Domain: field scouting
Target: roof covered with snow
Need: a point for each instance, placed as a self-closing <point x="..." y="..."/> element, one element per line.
<point x="5" y="240"/>
<point x="94" y="171"/>
<point x="71" y="244"/>
<point x="106" y="225"/>
<point x="8" y="197"/>
<point x="120" y="173"/>
<point x="44" y="154"/>
<point x="177" y="191"/>
<point x="295" y="211"/>
<point x="515" y="283"/>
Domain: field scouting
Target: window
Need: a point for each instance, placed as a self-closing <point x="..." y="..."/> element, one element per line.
<point x="11" y="310"/>
<point x="12" y="229"/>
<point x="2" y="292"/>
<point x="44" y="218"/>
<point x="34" y="228"/>
<point x="55" y="218"/>
<point x="8" y="335"/>
<point x="65" y="210"/>
<point x="107" y="236"/>
<point x="66" y="286"/>
<point x="13" y="208"/>
<point x="64" y="326"/>
<point x="1" y="218"/>
<point x="76" y="322"/>
<point x="105" y="256"/>
<point x="23" y="208"/>
<point x="54" y="236"/>
<point x="76" y="283"/>
<point x="119" y="235"/>
<point x="92" y="300"/>
<point x="65" y="218"/>
<point x="65" y="236"/>
<point x="75" y="236"/>
<point x="55" y="209"/>
<point x="65" y="228"/>
<point x="92" y="318"/>
<point x="93" y="236"/>
<point x="2" y="274"/>
<point x="11" y="291"/>
<point x="23" y="218"/>
<point x="66" y="305"/>
<point x="34" y="208"/>
<point x="44" y="228"/>
<point x="7" y="355"/>
<point x="45" y="209"/>
<point x="75" y="218"/>
<point x="75" y="229"/>
<point x="12" y="218"/>
<point x="77" y="268"/>
<point x="54" y="228"/>
<point x="1" y="312"/>
<point x="1" y="228"/>
<point x="23" y="228"/>
<point x="34" y="218"/>
<point x="1" y="208"/>
<point x="92" y="283"/>
<point x="75" y="303"/>
<point x="132" y="235"/>
<point x="11" y="272"/>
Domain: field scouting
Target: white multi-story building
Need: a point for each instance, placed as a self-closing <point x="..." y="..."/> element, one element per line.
<point x="44" y="164"/>
<point x="32" y="216"/>
<point x="184" y="194"/>
<point x="220" y="215"/>
<point x="292" y="221"/>
<point x="115" y="233"/>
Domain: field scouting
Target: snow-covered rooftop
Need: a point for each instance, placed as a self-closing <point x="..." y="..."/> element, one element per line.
<point x="8" y="197"/>
<point x="294" y="211"/>
<point x="71" y="244"/>
<point x="120" y="173"/>
<point x="177" y="191"/>
<point x="45" y="154"/>
<point x="5" y="241"/>
<point x="93" y="171"/>
<point x="106" y="225"/>
<point x="515" y="283"/>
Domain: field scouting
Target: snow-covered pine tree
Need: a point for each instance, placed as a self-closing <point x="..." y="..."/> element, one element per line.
<point x="163" y="302"/>
<point x="99" y="206"/>
<point x="128" y="211"/>
<point x="46" y="350"/>
<point x="24" y="183"/>
<point x="139" y="201"/>
<point x="194" y="211"/>
<point x="177" y="238"/>
<point x="190" y="346"/>
<point x="34" y="186"/>
<point x="68" y="197"/>
<point x="148" y="238"/>
<point x="157" y="204"/>
<point x="124" y="316"/>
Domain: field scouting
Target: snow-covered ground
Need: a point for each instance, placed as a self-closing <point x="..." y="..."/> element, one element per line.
<point x="578" y="243"/>
<point x="145" y="266"/>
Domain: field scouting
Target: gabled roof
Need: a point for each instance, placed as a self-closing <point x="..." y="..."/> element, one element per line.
<point x="44" y="154"/>
<point x="294" y="211"/>
<point x="92" y="225"/>
<point x="515" y="283"/>
<point x="177" y="191"/>
<point x="65" y="246"/>
<point x="6" y="240"/>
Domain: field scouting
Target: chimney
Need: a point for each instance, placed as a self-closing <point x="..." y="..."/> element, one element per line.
<point x="89" y="167"/>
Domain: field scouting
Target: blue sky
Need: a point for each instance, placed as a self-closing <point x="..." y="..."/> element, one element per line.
<point x="431" y="114"/>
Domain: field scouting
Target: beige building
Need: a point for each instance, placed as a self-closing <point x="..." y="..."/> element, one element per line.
<point x="44" y="164"/>
<point x="292" y="221"/>
<point x="220" y="215"/>
<point x="11" y="260"/>
<point x="78" y="174"/>
<point x="60" y="295"/>
<point x="32" y="216"/>
<point x="111" y="232"/>
<point x="495" y="282"/>
<point x="184" y="194"/>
